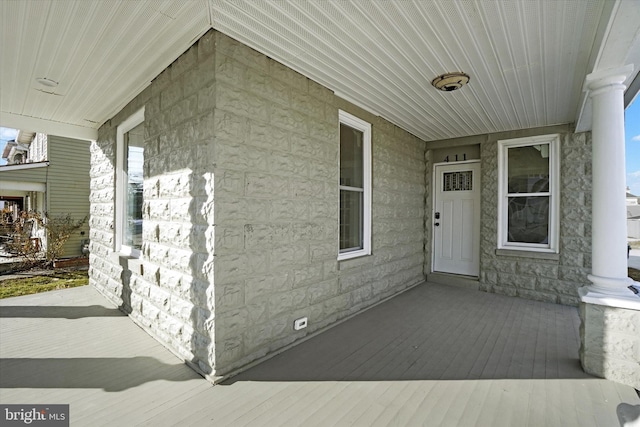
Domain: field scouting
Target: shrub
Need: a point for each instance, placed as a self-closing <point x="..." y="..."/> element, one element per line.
<point x="20" y="242"/>
<point x="58" y="229"/>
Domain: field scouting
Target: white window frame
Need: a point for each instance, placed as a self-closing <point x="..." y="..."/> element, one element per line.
<point x="121" y="183"/>
<point x="554" y="193"/>
<point x="364" y="127"/>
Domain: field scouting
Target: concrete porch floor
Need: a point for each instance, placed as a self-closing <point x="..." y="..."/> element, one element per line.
<point x="435" y="355"/>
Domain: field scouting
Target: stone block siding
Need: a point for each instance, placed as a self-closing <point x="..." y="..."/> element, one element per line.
<point x="170" y="294"/>
<point x="610" y="339"/>
<point x="241" y="209"/>
<point x="541" y="279"/>
<point x="276" y="172"/>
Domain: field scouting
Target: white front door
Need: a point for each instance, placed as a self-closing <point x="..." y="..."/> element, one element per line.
<point x="456" y="219"/>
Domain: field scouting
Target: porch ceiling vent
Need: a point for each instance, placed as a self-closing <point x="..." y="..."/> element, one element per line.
<point x="450" y="81"/>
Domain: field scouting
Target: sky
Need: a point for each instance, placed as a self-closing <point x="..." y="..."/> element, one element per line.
<point x="632" y="145"/>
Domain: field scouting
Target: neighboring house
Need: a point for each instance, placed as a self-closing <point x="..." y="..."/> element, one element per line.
<point x="633" y="216"/>
<point x="48" y="174"/>
<point x="15" y="153"/>
<point x="238" y="205"/>
<point x="633" y="221"/>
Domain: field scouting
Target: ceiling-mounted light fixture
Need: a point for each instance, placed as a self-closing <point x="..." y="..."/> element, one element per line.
<point x="47" y="82"/>
<point x="450" y="81"/>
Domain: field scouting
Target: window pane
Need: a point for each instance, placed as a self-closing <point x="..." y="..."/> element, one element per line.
<point x="350" y="220"/>
<point x="528" y="219"/>
<point x="134" y="141"/>
<point x="529" y="169"/>
<point x="457" y="181"/>
<point x="351" y="157"/>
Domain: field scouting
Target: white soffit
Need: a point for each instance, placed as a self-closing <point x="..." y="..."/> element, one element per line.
<point x="527" y="59"/>
<point x="101" y="53"/>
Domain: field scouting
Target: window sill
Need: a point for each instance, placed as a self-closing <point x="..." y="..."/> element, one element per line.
<point x="128" y="262"/>
<point x="528" y="254"/>
<point x="351" y="255"/>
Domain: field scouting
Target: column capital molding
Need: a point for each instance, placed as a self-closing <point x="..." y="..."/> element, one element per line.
<point x="611" y="78"/>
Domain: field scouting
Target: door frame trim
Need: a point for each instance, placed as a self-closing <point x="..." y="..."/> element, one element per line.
<point x="433" y="208"/>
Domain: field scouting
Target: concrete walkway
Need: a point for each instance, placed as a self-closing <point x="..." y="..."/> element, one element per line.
<point x="435" y="355"/>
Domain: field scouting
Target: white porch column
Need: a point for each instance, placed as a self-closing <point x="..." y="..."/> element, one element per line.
<point x="608" y="309"/>
<point x="609" y="221"/>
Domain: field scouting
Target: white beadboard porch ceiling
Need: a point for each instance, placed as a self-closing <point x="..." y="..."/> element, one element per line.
<point x="527" y="59"/>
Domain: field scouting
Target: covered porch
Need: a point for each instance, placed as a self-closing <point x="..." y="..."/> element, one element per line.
<point x="433" y="355"/>
<point x="238" y="97"/>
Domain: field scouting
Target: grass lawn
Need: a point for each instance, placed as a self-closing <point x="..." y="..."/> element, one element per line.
<point x="634" y="274"/>
<point x="36" y="284"/>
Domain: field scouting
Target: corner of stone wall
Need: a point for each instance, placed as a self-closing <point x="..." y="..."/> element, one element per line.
<point x="225" y="119"/>
<point x="167" y="291"/>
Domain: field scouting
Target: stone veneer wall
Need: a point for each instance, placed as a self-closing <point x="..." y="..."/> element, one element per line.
<point x="241" y="209"/>
<point x="610" y="340"/>
<point x="551" y="280"/>
<point x="168" y="290"/>
<point x="554" y="278"/>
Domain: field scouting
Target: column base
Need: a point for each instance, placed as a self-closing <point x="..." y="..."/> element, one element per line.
<point x="610" y="285"/>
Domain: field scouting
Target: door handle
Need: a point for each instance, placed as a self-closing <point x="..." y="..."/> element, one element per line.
<point x="437" y="224"/>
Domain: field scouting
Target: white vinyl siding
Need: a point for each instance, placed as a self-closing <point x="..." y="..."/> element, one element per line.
<point x="68" y="186"/>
